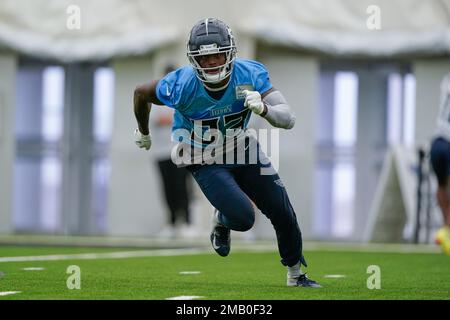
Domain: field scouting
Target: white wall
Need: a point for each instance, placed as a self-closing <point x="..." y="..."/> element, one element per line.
<point x="7" y="92"/>
<point x="296" y="76"/>
<point x="134" y="207"/>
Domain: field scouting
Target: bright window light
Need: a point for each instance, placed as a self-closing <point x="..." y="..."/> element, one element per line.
<point x="51" y="179"/>
<point x="103" y="103"/>
<point x="410" y="109"/>
<point x="343" y="196"/>
<point x="345" y="108"/>
<point x="53" y="103"/>
<point x="394" y="125"/>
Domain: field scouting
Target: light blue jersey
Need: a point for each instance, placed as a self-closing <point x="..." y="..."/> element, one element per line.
<point x="196" y="111"/>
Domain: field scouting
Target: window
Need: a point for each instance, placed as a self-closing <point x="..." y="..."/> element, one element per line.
<point x="103" y="119"/>
<point x="401" y="109"/>
<point x="39" y="129"/>
<point x="343" y="188"/>
<point x="364" y="107"/>
<point x="335" y="171"/>
<point x="63" y="131"/>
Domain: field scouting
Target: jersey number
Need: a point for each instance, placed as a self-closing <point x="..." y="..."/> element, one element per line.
<point x="231" y="122"/>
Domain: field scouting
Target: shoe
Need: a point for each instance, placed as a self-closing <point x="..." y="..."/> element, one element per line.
<point x="441" y="234"/>
<point x="302" y="281"/>
<point x="220" y="237"/>
<point x="187" y="231"/>
<point x="443" y="239"/>
<point x="446" y="246"/>
<point x="168" y="232"/>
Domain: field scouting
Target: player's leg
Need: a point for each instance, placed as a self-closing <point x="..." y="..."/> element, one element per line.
<point x="219" y="186"/>
<point x="235" y="210"/>
<point x="166" y="181"/>
<point x="269" y="194"/>
<point x="440" y="161"/>
<point x="180" y="179"/>
<point x="185" y="192"/>
<point x="179" y="196"/>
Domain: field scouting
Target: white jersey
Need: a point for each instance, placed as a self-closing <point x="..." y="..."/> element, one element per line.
<point x="443" y="120"/>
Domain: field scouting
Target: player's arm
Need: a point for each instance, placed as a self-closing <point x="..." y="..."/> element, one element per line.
<point x="272" y="106"/>
<point x="144" y="96"/>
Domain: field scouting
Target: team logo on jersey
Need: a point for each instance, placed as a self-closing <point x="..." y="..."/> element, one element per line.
<point x="221" y="111"/>
<point x="239" y="91"/>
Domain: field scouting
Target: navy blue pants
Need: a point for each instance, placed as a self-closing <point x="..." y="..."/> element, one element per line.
<point x="440" y="159"/>
<point x="229" y="189"/>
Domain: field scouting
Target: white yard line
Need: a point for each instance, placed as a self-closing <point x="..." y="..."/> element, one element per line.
<point x="382" y="248"/>
<point x="373" y="247"/>
<point x="7" y="293"/>
<point x="107" y="255"/>
<point x="189" y="272"/>
<point x="185" y="298"/>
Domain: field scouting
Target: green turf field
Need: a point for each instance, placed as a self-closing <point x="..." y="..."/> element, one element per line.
<point x="242" y="275"/>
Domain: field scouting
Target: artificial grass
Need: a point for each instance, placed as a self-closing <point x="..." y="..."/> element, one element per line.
<point x="240" y="276"/>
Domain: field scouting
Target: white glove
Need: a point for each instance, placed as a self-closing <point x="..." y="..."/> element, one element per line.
<point x="142" y="140"/>
<point x="253" y="101"/>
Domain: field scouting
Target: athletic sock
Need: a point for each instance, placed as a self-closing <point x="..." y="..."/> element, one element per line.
<point x="294" y="271"/>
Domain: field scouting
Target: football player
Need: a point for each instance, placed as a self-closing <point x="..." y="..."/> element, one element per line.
<point x="219" y="92"/>
<point x="440" y="161"/>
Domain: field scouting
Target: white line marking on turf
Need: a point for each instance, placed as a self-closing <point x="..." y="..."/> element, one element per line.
<point x="7" y="293"/>
<point x="190" y="272"/>
<point x="335" y="276"/>
<point x="33" y="269"/>
<point x="107" y="255"/>
<point x="185" y="298"/>
<point x="195" y="251"/>
<point x="372" y="247"/>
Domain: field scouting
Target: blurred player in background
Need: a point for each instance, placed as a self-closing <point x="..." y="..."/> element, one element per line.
<point x="214" y="94"/>
<point x="440" y="161"/>
<point x="175" y="181"/>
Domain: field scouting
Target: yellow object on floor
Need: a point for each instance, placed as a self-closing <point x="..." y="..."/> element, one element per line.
<point x="443" y="239"/>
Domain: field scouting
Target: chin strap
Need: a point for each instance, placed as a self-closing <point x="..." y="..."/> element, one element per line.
<point x="217" y="89"/>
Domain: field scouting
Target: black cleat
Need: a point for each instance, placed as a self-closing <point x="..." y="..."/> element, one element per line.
<point x="303" y="281"/>
<point x="220" y="237"/>
<point x="220" y="240"/>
